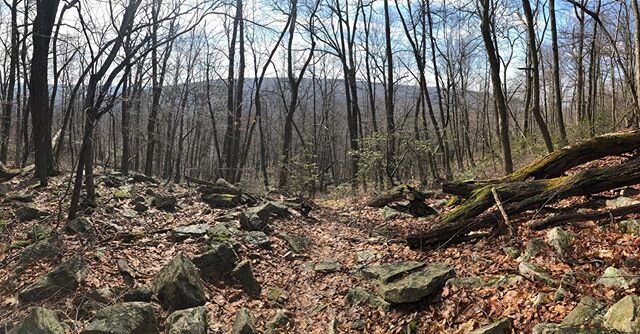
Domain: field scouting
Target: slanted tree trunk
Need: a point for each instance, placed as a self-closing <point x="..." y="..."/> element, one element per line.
<point x="558" y="162"/>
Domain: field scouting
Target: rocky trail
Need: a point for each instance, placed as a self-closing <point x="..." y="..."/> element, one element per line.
<point x="210" y="258"/>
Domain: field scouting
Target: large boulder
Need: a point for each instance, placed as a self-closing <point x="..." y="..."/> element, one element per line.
<point x="217" y="262"/>
<point x="188" y="321"/>
<point x="39" y="321"/>
<point x="244" y="323"/>
<point x="244" y="275"/>
<point x="179" y="285"/>
<point x="417" y="285"/>
<point x="124" y="318"/>
<point x="617" y="278"/>
<point x="502" y="326"/>
<point x="623" y="316"/>
<point x="67" y="276"/>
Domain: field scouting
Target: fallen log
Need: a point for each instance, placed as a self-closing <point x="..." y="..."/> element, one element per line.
<point x="395" y="194"/>
<point x="517" y="197"/>
<point x="557" y="163"/>
<point x="9" y="173"/>
<point x="560" y="219"/>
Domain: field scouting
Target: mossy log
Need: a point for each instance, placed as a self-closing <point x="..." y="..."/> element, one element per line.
<point x="557" y="163"/>
<point x="560" y="219"/>
<point x="474" y="213"/>
<point x="398" y="193"/>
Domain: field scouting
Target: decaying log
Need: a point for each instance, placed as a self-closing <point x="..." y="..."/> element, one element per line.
<point x="560" y="219"/>
<point x="556" y="163"/>
<point x="399" y="193"/>
<point x="472" y="215"/>
<point x="9" y="173"/>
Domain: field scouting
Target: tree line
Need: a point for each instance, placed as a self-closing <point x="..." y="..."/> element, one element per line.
<point x="304" y="95"/>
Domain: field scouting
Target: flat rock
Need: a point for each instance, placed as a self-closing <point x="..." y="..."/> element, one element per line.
<point x="188" y="321"/>
<point x="244" y="275"/>
<point x="360" y="296"/>
<point x="258" y="239"/>
<point x="178" y="285"/>
<point x="417" y="285"/>
<point x="78" y="225"/>
<point x="39" y="321"/>
<point x="387" y="272"/>
<point x="623" y="315"/>
<point x="190" y="231"/>
<point x="222" y="201"/>
<point x="588" y="312"/>
<point x="124" y="318"/>
<point x="244" y="323"/>
<point x="67" y="276"/>
<point x="298" y="244"/>
<point x="390" y="214"/>
<point x="502" y="326"/>
<point x="617" y="278"/>
<point x="536" y="273"/>
<point x="621" y="201"/>
<point x="48" y="248"/>
<point x="217" y="262"/>
<point x="327" y="266"/>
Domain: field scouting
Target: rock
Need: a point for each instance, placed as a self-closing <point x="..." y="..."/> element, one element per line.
<point x="269" y="211"/>
<point x="244" y="323"/>
<point x="244" y="275"/>
<point x="47" y="248"/>
<point x="534" y="246"/>
<point x="124" y="318"/>
<point x="20" y="197"/>
<point x="541" y="299"/>
<point x="253" y="223"/>
<point x="629" y="191"/>
<point x="327" y="266"/>
<point x="621" y="201"/>
<point x="128" y="213"/>
<point x="123" y="192"/>
<point x="623" y="315"/>
<point x="193" y="231"/>
<point x="67" y="276"/>
<point x="630" y="226"/>
<point x="128" y="273"/>
<point x="359" y="296"/>
<point x="560" y="294"/>
<point x="365" y="256"/>
<point x="28" y="212"/>
<point x="511" y="251"/>
<point x="39" y="232"/>
<point x="178" y="285"/>
<point x="617" y="278"/>
<point x="588" y="312"/>
<point x="298" y="244"/>
<point x="258" y="239"/>
<point x="78" y="225"/>
<point x="277" y="295"/>
<point x="39" y="321"/>
<point x="280" y="319"/>
<point x="390" y="214"/>
<point x="4" y="188"/>
<point x="560" y="240"/>
<point x="217" y="262"/>
<point x="220" y="233"/>
<point x="417" y="285"/>
<point x="387" y="272"/>
<point x="139" y="294"/>
<point x="502" y="326"/>
<point x="140" y="207"/>
<point x="188" y="321"/>
<point x="222" y="201"/>
<point x="88" y="308"/>
<point x="547" y="328"/>
<point x="536" y="273"/>
<point x="333" y="327"/>
<point x="137" y="177"/>
<point x="358" y="324"/>
<point x="164" y="202"/>
<point x="476" y="282"/>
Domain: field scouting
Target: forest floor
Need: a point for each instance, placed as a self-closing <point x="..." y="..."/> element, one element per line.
<point x="343" y="230"/>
